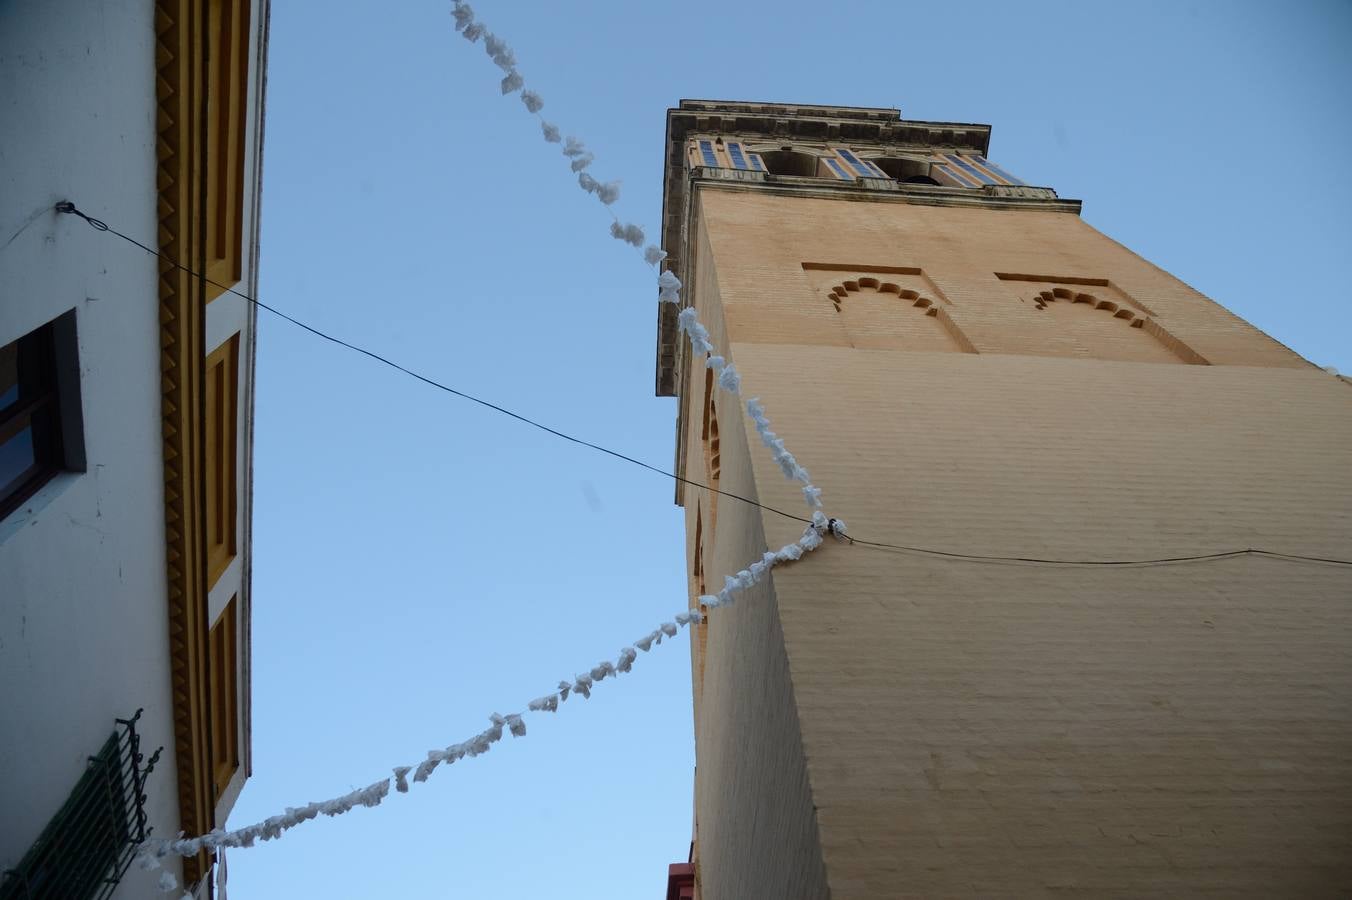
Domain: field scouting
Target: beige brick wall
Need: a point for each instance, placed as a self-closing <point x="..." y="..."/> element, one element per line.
<point x="762" y="241"/>
<point x="756" y="833"/>
<point x="983" y="729"/>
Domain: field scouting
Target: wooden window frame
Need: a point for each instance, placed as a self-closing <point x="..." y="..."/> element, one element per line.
<point x="222" y="439"/>
<point x="47" y="403"/>
<point x="223" y="679"/>
<point x="713" y="455"/>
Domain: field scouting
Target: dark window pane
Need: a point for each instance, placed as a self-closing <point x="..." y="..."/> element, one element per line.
<point x="32" y="427"/>
<point x="840" y="172"/>
<point x="16" y="459"/>
<point x="9" y="375"/>
<point x="858" y="166"/>
<point x="971" y="170"/>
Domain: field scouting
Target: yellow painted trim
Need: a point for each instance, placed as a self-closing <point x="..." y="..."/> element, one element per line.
<point x="224" y="680"/>
<point x="226" y="108"/>
<point x="222" y="457"/>
<point x="183" y="153"/>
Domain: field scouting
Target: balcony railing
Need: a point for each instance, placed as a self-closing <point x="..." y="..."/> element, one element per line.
<point x="86" y="848"/>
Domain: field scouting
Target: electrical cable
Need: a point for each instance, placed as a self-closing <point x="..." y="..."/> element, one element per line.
<point x="1154" y="561"/>
<point x="66" y="206"/>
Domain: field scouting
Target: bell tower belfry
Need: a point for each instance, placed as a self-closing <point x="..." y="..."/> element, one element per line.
<point x="967" y="367"/>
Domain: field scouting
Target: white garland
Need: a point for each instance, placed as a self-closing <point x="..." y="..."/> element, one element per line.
<point x="579" y="157"/>
<point x="754" y="573"/>
<point x="374" y="794"/>
<point x="729" y="379"/>
<point x="669" y="291"/>
<point x="669" y="286"/>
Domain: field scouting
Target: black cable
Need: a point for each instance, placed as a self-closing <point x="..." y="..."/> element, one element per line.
<point x="1162" y="560"/>
<point x="65" y="206"/>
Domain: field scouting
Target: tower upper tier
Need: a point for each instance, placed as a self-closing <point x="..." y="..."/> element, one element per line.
<point x="821" y="151"/>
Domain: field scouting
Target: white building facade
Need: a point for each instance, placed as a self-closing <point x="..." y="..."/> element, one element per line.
<point x="126" y="397"/>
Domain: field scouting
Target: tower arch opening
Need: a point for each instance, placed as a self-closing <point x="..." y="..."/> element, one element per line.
<point x="790" y="162"/>
<point x="907" y="171"/>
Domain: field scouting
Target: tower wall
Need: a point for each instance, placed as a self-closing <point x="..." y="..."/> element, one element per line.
<point x="979" y="728"/>
<point x="757" y="834"/>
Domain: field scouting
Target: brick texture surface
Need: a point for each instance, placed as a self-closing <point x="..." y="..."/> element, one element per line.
<point x="878" y="723"/>
<point x="756" y="833"/>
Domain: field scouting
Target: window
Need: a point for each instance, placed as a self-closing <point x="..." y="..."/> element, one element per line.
<point x="227" y="91"/>
<point x="975" y="171"/>
<point x="224" y="700"/>
<point x="952" y="176"/>
<point x="713" y="457"/>
<point x="865" y="169"/>
<point x="221" y="423"/>
<point x="970" y="170"/>
<point x="992" y="167"/>
<point x="718" y="155"/>
<point x="701" y="630"/>
<point x="39" y="410"/>
<point x="838" y="170"/>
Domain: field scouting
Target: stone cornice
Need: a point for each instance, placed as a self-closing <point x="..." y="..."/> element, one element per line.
<point x="821" y="123"/>
<point x="861" y="127"/>
<point x="883" y="190"/>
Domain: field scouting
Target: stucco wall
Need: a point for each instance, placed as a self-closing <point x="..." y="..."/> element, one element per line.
<point x="83" y="606"/>
<point x="979" y="729"/>
<point x="83" y="629"/>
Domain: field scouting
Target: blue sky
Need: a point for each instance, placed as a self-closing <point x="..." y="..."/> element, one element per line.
<point x="421" y="563"/>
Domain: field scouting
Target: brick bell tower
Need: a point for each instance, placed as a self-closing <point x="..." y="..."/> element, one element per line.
<point x="965" y="365"/>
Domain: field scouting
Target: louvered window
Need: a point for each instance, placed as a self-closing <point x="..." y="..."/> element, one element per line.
<point x="838" y="170"/>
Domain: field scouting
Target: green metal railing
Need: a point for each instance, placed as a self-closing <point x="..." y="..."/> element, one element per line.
<point x="86" y="848"/>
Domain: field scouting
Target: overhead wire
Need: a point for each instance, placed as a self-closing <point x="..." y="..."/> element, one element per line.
<point x="66" y="206"/>
<point x="70" y="208"/>
<point x="1123" y="563"/>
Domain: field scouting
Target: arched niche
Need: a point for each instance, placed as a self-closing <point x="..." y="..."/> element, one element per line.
<point x="1094" y="327"/>
<point x="883" y="315"/>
